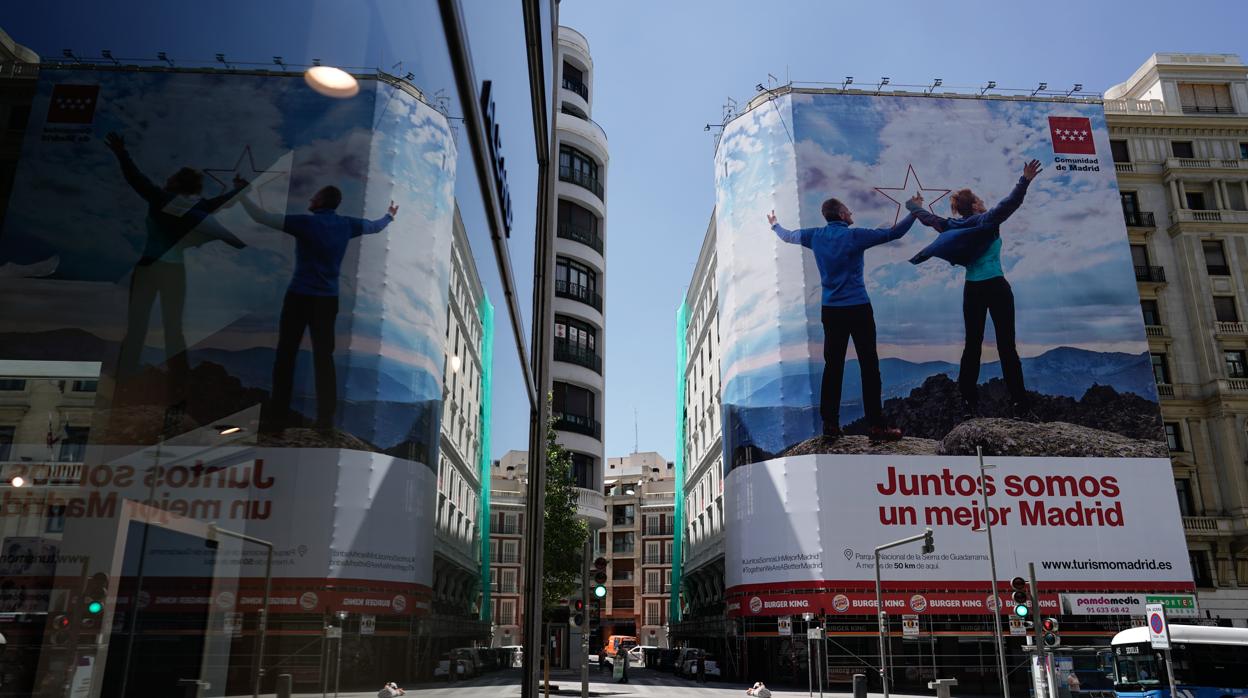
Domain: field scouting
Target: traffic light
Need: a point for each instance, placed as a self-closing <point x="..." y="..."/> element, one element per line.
<point x="94" y="594"/>
<point x="600" y="577"/>
<point x="577" y="618"/>
<point x="1022" y="601"/>
<point x="60" y="629"/>
<point x="929" y="543"/>
<point x="1050" y="627"/>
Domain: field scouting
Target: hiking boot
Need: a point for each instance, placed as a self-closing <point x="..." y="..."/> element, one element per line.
<point x="832" y="433"/>
<point x="882" y="434"/>
<point x="1022" y="411"/>
<point x="966" y="410"/>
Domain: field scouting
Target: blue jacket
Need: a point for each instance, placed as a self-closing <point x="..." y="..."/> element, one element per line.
<point x="838" y="252"/>
<point x="974" y="241"/>
<point x="174" y="222"/>
<point x="320" y="244"/>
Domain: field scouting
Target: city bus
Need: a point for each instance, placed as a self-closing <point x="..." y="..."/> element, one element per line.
<point x="1208" y="662"/>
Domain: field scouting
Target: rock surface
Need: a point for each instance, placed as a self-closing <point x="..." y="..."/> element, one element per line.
<point x="861" y="445"/>
<point x="1008" y="437"/>
<point x="313" y="438"/>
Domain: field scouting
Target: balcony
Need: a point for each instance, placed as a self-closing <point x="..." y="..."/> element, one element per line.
<point x="659" y="530"/>
<point x="578" y="87"/>
<point x="591" y="506"/>
<point x="1146" y="107"/>
<point x="623" y="549"/>
<point x="1140" y="219"/>
<point x="1198" y="109"/>
<point x="506" y="529"/>
<point x="1208" y="525"/>
<point x="590" y="182"/>
<point x="1150" y="274"/>
<point x="1233" y="385"/>
<point x="578" y="424"/>
<point x="505" y="558"/>
<point x="657" y="589"/>
<point x="1155" y="330"/>
<point x="582" y="235"/>
<point x="505" y="588"/>
<point x="1205" y="164"/>
<point x="1165" y="390"/>
<point x="577" y="292"/>
<point x="1231" y="328"/>
<point x="1187" y="215"/>
<point x="623" y="522"/>
<point x="568" y="352"/>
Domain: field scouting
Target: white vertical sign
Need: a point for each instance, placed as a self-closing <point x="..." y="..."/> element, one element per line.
<point x="368" y="624"/>
<point x="1158" y="628"/>
<point x="784" y="625"/>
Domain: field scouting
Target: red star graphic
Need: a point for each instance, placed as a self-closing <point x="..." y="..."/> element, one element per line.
<point x="905" y="190"/>
<point x="257" y="177"/>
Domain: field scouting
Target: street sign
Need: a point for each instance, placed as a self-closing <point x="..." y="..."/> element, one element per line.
<point x="813" y="633"/>
<point x="784" y="625"/>
<point x="368" y="624"/>
<point x="233" y="624"/>
<point x="333" y="632"/>
<point x="1016" y="626"/>
<point x="1158" y="628"/>
<point x="909" y="626"/>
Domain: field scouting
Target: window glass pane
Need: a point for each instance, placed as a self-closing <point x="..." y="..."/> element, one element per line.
<point x="1174" y="438"/>
<point x="1152" y="315"/>
<point x="1224" y="309"/>
<point x="1182" y="149"/>
<point x="1118" y="150"/>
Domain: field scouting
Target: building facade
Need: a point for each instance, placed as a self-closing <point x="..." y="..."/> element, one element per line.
<point x="1179" y="135"/>
<point x="637" y="544"/>
<point x="508" y="489"/>
<point x="1179" y="126"/>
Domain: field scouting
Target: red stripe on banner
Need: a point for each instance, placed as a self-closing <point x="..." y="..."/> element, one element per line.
<point x="859" y="585"/>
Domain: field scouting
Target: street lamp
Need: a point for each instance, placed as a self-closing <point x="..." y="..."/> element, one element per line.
<point x="929" y="547"/>
<point x="992" y="563"/>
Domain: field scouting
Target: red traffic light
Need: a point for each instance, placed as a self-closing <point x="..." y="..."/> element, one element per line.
<point x="1049" y="625"/>
<point x="578" y="606"/>
<point x="60" y="623"/>
<point x="600" y="563"/>
<point x="1018" y="584"/>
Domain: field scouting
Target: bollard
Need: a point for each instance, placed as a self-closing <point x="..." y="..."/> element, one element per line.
<point x="860" y="686"/>
<point x="285" y="685"/>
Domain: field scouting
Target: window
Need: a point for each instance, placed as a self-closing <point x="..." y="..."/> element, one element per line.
<point x="577" y="281"/>
<point x="12" y="384"/>
<point x="1205" y="98"/>
<point x="1215" y="258"/>
<point x="575" y="341"/>
<point x="1196" y="200"/>
<point x="572" y="111"/>
<point x="1130" y="202"/>
<point x="653" y="553"/>
<point x="1224" y="309"/>
<point x="1236" y="363"/>
<point x="578" y="168"/>
<point x="6" y="442"/>
<point x="578" y="223"/>
<point x="623" y="515"/>
<point x="1199" y="560"/>
<point x="1119" y="151"/>
<point x="1152" y="315"/>
<point x="507" y="580"/>
<point x="622" y="542"/>
<point x="1161" y="370"/>
<point x="87" y="386"/>
<point x="507" y="612"/>
<point x="1184" y="489"/>
<point x="654" y="612"/>
<point x="1243" y="151"/>
<point x="574" y="79"/>
<point x="1139" y="256"/>
<point x="583" y="470"/>
<point x="1174" y="437"/>
<point x="74" y="445"/>
<point x="574" y="409"/>
<point x="1182" y="149"/>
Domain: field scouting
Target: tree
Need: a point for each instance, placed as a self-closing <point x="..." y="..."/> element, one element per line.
<point x="563" y="538"/>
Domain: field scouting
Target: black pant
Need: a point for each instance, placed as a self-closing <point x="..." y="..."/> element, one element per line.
<point x="152" y="279"/>
<point x="839" y="325"/>
<point x="979" y="298"/>
<point x="316" y="314"/>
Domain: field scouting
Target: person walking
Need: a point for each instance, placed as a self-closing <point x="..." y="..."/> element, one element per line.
<point x="846" y="313"/>
<point x="311" y="301"/>
<point x="972" y="239"/>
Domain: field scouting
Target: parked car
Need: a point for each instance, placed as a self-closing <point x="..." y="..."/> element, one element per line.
<point x="513" y="655"/>
<point x="472" y="655"/>
<point x="637" y="655"/>
<point x="462" y="666"/>
<point x="615" y="643"/>
<point x="667" y="659"/>
<point x="691" y="664"/>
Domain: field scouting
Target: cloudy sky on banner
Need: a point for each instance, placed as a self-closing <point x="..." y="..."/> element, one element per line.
<point x="1064" y="251"/>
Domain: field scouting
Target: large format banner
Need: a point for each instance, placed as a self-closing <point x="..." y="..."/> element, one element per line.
<point x="222" y="241"/>
<point x="262" y="272"/>
<point x="904" y="280"/>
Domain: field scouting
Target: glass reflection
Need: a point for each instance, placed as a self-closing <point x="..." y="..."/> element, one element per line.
<point x="249" y="366"/>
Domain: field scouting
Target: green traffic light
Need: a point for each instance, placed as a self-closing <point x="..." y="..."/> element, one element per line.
<point x="1022" y="611"/>
<point x="95" y="607"/>
<point x="600" y="591"/>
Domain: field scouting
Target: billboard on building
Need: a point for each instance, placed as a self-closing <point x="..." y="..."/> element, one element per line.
<point x="262" y="273"/>
<point x="869" y="349"/>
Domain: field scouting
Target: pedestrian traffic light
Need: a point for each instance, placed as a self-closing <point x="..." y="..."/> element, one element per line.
<point x="578" y="613"/>
<point x="1050" y="627"/>
<point x="600" y="577"/>
<point x="929" y="543"/>
<point x="1022" y="601"/>
<point x="94" y="594"/>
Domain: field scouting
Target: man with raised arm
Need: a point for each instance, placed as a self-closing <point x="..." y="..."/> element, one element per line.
<point x="838" y="250"/>
<point x="311" y="301"/>
<point x="972" y="239"/>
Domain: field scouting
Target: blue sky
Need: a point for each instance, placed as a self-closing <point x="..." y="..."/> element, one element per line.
<point x="654" y="103"/>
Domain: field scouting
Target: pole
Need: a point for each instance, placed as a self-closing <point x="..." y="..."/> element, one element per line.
<point x="819" y="670"/>
<point x="810" y="664"/>
<point x="879" y="612"/>
<point x="338" y="664"/>
<point x="992" y="563"/>
<point x="1042" y="655"/>
<point x="585" y="624"/>
<point x="1170" y="672"/>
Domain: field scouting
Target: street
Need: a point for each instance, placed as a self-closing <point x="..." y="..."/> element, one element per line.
<point x="642" y="682"/>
